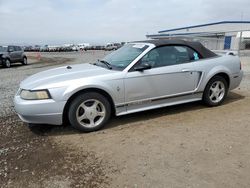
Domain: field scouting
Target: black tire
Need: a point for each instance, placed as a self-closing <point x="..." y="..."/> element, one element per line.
<point x="24" y="61"/>
<point x="207" y="94"/>
<point x="74" y="110"/>
<point x="7" y="63"/>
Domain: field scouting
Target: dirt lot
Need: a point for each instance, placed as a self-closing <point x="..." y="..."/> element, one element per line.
<point x="180" y="146"/>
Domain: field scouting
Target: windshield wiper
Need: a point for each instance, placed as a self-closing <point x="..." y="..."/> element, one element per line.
<point x="106" y="63"/>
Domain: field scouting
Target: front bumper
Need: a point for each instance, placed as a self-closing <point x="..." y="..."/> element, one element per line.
<point x="40" y="111"/>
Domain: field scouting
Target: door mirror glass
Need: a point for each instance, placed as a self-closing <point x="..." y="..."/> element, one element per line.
<point x="10" y="50"/>
<point x="143" y="66"/>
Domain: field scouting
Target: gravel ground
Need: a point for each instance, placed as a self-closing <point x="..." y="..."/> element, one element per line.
<point x="180" y="146"/>
<point x="29" y="158"/>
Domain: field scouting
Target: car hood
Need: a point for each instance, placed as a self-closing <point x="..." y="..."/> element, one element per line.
<point x="63" y="74"/>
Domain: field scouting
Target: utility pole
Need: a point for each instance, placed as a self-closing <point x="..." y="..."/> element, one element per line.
<point x="240" y="39"/>
<point x="239" y="43"/>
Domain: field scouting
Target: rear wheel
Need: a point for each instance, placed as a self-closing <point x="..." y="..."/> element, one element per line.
<point x="215" y="91"/>
<point x="7" y="63"/>
<point x="89" y="112"/>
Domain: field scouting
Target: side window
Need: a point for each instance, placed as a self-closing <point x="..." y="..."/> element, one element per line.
<point x="151" y="58"/>
<point x="194" y="56"/>
<point x="181" y="54"/>
<point x="17" y="48"/>
<point x="170" y="55"/>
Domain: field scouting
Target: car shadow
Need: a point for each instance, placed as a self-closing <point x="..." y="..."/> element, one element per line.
<point x="170" y="110"/>
<point x="52" y="130"/>
<point x="14" y="66"/>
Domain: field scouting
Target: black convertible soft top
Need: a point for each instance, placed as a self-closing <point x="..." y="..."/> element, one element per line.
<point x="197" y="46"/>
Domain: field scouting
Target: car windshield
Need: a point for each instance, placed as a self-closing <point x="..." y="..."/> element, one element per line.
<point x="122" y="57"/>
<point x="3" y="48"/>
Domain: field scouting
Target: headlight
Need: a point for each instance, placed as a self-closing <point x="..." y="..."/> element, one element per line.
<point x="34" y="95"/>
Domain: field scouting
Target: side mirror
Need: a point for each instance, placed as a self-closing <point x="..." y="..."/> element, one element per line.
<point x="10" y="50"/>
<point x="142" y="67"/>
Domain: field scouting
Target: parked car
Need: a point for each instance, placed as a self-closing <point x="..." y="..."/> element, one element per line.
<point x="28" y="48"/>
<point x="111" y="47"/>
<point x="137" y="77"/>
<point x="12" y="54"/>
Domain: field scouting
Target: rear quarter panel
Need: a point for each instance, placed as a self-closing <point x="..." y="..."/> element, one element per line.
<point x="222" y="64"/>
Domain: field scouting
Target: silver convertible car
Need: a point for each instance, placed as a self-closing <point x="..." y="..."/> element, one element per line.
<point x="137" y="77"/>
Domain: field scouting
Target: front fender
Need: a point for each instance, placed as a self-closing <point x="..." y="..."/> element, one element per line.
<point x="74" y="89"/>
<point x="114" y="88"/>
<point x="3" y="57"/>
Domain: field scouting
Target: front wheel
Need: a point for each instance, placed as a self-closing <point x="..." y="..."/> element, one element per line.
<point x="7" y="63"/>
<point x="89" y="112"/>
<point x="215" y="91"/>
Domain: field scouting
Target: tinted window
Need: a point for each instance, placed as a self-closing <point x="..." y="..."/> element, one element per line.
<point x="170" y="55"/>
<point x="193" y="55"/>
<point x="3" y="49"/>
<point x="17" y="48"/>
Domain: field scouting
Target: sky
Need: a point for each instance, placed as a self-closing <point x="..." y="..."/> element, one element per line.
<point x="101" y="21"/>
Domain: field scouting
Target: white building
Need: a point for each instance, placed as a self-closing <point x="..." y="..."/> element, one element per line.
<point x="215" y="36"/>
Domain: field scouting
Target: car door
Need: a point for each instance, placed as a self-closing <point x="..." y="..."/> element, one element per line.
<point x="171" y="75"/>
<point x="18" y="51"/>
<point x="12" y="53"/>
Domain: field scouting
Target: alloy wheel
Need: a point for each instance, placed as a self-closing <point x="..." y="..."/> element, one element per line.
<point x="90" y="113"/>
<point x="217" y="91"/>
